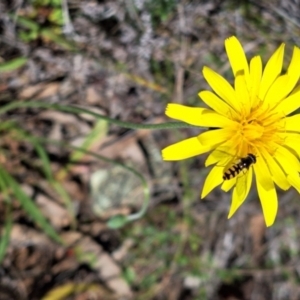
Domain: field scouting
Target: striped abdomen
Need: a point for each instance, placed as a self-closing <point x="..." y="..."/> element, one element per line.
<point x="243" y="164"/>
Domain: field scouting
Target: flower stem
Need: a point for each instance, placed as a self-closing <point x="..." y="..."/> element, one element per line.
<point x="79" y="110"/>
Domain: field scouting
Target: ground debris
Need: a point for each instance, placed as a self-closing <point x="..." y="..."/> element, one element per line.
<point x="126" y="60"/>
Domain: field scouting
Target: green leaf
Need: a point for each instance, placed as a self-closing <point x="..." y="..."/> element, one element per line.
<point x="56" y="16"/>
<point x="130" y="275"/>
<point x="27" y="23"/>
<point x="56" y="3"/>
<point x="13" y="64"/>
<point x="117" y="222"/>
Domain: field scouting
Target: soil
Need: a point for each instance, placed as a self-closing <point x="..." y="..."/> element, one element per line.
<point x="127" y="60"/>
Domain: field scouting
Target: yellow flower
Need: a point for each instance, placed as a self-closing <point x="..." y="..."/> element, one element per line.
<point x="253" y="117"/>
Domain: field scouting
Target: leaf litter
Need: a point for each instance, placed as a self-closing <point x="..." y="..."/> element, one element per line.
<point x="126" y="59"/>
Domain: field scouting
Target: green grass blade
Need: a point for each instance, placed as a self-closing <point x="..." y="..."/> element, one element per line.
<point x="44" y="158"/>
<point x="79" y="110"/>
<point x="26" y="22"/>
<point x="29" y="206"/>
<point x="48" y="173"/>
<point x="58" y="39"/>
<point x="13" y="64"/>
<point x="46" y="164"/>
<point x="5" y="234"/>
<point x="98" y="132"/>
<point x="24" y="136"/>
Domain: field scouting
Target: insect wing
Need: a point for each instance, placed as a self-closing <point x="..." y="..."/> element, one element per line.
<point x="243" y="184"/>
<point x="227" y="185"/>
<point x="221" y="158"/>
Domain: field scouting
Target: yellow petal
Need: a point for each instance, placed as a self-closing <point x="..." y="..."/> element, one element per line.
<point x="277" y="173"/>
<point x="217" y="104"/>
<point x="215" y="137"/>
<point x="240" y="191"/>
<point x="292" y="123"/>
<point x="278" y="90"/>
<point x="221" y="87"/>
<point x="268" y="200"/>
<point x="236" y="56"/>
<point x="228" y="184"/>
<point x="255" y="78"/>
<point x="292" y="140"/>
<point x="284" y="84"/>
<point x="262" y="171"/>
<point x="294" y="180"/>
<point x="197" y="116"/>
<point x="289" y="104"/>
<point x="242" y="94"/>
<point x="266" y="190"/>
<point x="287" y="160"/>
<point x="184" y="149"/>
<point x="271" y="71"/>
<point x="293" y="69"/>
<point x="213" y="179"/>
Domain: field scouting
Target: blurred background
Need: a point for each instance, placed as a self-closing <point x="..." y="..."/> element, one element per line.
<point x="126" y="59"/>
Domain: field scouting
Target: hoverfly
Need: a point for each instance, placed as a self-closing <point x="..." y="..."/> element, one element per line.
<point x="235" y="171"/>
<point x="243" y="164"/>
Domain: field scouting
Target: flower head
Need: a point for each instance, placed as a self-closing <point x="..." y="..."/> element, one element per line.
<point x="251" y="118"/>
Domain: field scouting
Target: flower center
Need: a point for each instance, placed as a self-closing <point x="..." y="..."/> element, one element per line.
<point x="252" y="130"/>
<point x="259" y="128"/>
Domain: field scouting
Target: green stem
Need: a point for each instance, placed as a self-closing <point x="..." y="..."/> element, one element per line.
<point x="79" y="110"/>
<point x="129" y="125"/>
